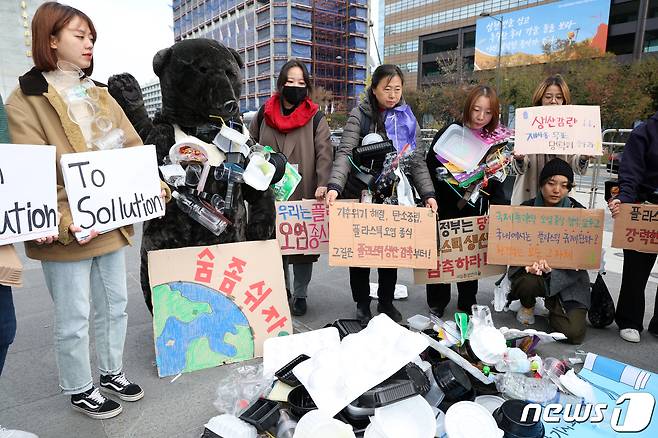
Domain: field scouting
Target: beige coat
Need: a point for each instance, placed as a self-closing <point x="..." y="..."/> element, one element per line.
<point x="38" y="115"/>
<point x="527" y="183"/>
<point x="313" y="156"/>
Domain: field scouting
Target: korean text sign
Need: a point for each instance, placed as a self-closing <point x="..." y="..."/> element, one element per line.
<point x="382" y="236"/>
<point x="636" y="228"/>
<point x="567" y="238"/>
<point x="113" y="188"/>
<point x="302" y="227"/>
<point x="558" y="129"/>
<point x="562" y="30"/>
<point x="216" y="304"/>
<point x="28" y="193"/>
<point x="462" y="252"/>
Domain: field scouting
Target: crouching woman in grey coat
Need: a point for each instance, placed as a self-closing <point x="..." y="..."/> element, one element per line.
<point x="567" y="291"/>
<point x="382" y="111"/>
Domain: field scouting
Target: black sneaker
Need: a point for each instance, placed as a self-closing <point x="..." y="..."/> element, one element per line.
<point x="390" y="310"/>
<point x="118" y="384"/>
<point x="298" y="306"/>
<point x="93" y="404"/>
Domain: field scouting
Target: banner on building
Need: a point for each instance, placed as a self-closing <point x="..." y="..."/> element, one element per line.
<point x="567" y="238"/>
<point x="382" y="236"/>
<point x="558" y="31"/>
<point x="636" y="227"/>
<point x="462" y="252"/>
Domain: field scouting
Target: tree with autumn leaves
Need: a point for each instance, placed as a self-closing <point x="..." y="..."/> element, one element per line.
<point x="625" y="92"/>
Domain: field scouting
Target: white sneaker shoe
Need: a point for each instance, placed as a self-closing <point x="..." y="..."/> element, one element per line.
<point x="13" y="433"/>
<point x="630" y="335"/>
<point x="526" y="315"/>
<point x="540" y="308"/>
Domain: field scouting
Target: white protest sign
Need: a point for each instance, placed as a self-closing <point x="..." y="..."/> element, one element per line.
<point x="28" y="193"/>
<point x="558" y="129"/>
<point x="113" y="188"/>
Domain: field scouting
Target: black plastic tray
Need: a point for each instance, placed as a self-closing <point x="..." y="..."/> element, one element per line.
<point x="386" y="393"/>
<point x="300" y="401"/>
<point x="412" y="372"/>
<point x="286" y="375"/>
<point x="347" y="326"/>
<point x="262" y="414"/>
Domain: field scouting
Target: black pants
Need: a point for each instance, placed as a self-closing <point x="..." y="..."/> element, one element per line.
<point x="630" y="307"/>
<point x="360" y="284"/>
<point x="438" y="295"/>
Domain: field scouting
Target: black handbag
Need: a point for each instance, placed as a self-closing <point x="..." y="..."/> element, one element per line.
<point x="602" y="309"/>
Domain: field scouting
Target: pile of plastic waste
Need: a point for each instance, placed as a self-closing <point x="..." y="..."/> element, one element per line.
<point x="432" y="378"/>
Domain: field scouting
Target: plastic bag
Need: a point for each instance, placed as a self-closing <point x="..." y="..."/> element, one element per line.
<point x="240" y="386"/>
<point x="500" y="294"/>
<point x="602" y="309"/>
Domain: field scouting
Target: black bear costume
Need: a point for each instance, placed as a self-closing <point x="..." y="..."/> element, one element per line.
<point x="200" y="82"/>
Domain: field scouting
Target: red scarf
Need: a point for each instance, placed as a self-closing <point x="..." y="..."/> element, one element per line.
<point x="285" y="124"/>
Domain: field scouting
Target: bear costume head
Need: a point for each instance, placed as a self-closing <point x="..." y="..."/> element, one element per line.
<point x="202" y="79"/>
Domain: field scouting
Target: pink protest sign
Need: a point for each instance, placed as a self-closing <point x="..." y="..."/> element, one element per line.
<point x="302" y="227"/>
<point x="558" y="129"/>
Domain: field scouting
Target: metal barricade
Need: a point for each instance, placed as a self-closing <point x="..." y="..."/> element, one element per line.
<point x="609" y="147"/>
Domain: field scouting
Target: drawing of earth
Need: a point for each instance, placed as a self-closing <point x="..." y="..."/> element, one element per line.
<point x="197" y="327"/>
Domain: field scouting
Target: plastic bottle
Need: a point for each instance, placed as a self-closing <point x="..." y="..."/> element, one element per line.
<point x="519" y="386"/>
<point x="286" y="425"/>
<point x="515" y="360"/>
<point x="197" y="211"/>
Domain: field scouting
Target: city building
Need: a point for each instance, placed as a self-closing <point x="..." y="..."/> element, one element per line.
<point x="152" y="96"/>
<point x="418" y="32"/>
<point x="15" y="42"/>
<point x="330" y="36"/>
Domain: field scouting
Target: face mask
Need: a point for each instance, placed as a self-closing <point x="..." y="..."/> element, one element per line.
<point x="294" y="95"/>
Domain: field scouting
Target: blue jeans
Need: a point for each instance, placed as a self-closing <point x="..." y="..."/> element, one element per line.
<point x="7" y="323"/>
<point x="75" y="288"/>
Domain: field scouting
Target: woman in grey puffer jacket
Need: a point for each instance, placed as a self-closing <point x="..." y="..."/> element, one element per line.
<point x="383" y="99"/>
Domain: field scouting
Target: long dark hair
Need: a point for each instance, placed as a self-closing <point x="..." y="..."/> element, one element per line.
<point x="383" y="72"/>
<point x="283" y="75"/>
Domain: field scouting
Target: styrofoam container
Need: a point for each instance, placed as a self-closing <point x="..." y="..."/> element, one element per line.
<point x="461" y="147"/>
<point x="468" y="419"/>
<point x="230" y="425"/>
<point x="316" y="424"/>
<point x="412" y="417"/>
<point x="280" y="350"/>
<point x="488" y="344"/>
<point x="419" y="322"/>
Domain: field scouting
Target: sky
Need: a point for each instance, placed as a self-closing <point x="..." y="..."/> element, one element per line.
<point x="130" y="32"/>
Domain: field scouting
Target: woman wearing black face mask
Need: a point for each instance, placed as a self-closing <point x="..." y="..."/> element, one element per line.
<point x="291" y="123"/>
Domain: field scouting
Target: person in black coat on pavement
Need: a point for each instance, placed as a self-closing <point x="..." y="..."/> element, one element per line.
<point x="638" y="183"/>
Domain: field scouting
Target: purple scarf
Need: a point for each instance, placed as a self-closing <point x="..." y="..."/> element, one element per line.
<point x="400" y="125"/>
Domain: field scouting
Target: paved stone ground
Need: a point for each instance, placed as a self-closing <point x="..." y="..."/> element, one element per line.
<point x="30" y="397"/>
